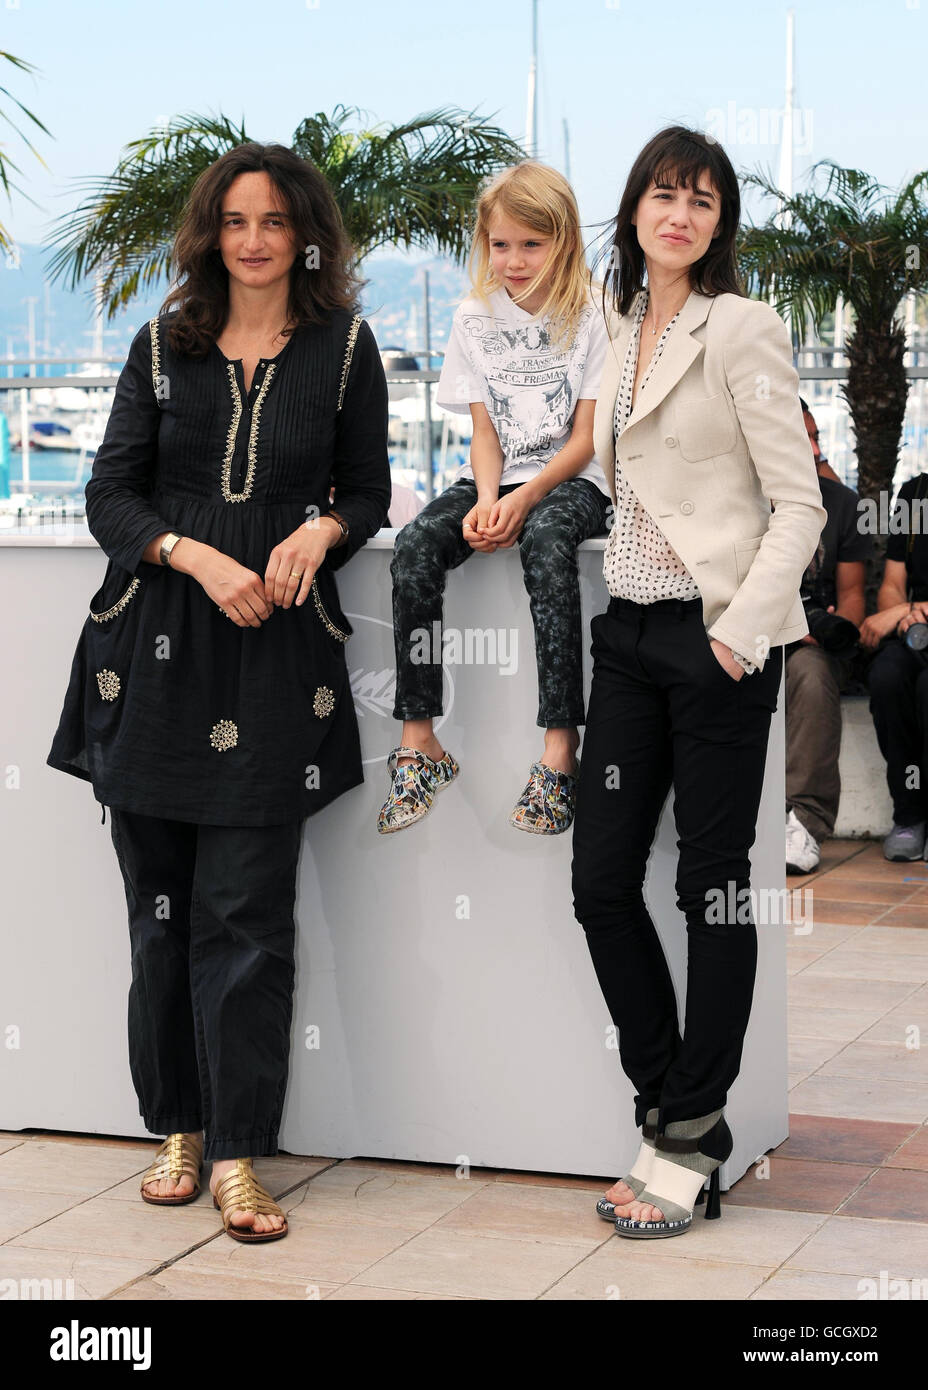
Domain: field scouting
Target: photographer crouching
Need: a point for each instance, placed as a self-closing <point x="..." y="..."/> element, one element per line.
<point x="898" y="675"/>
<point x="821" y="666"/>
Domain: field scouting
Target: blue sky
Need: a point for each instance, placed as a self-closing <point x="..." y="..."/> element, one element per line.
<point x="616" y="69"/>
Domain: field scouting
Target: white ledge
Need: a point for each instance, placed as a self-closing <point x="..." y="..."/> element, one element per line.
<point x="80" y="537"/>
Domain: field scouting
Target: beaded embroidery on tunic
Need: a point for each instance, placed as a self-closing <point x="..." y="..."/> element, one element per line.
<point x="323" y="702"/>
<point x="109" y="684"/>
<point x="224" y="735"/>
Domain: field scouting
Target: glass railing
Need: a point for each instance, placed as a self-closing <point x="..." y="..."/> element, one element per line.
<point x="823" y="373"/>
<point x="51" y="426"/>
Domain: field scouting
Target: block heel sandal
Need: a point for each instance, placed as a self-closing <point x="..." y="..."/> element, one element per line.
<point x="645" y="1159"/>
<point x="676" y="1189"/>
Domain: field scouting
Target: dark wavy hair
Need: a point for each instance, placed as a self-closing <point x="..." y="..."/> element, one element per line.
<point x="200" y="299"/>
<point x="675" y="157"/>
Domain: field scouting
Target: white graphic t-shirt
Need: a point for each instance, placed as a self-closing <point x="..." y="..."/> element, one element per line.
<point x="502" y="355"/>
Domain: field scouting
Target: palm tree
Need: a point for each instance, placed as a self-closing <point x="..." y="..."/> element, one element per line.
<point x="856" y="240"/>
<point x="411" y="185"/>
<point x="6" y="164"/>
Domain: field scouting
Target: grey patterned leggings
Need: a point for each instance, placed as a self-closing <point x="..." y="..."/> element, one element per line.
<point x="432" y="543"/>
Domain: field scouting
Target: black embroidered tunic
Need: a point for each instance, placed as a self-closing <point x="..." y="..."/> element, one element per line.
<point x="172" y="710"/>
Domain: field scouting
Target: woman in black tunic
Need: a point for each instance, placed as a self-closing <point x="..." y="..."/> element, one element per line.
<point x="209" y="702"/>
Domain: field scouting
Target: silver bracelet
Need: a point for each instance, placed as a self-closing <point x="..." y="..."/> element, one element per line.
<point x="167" y="546"/>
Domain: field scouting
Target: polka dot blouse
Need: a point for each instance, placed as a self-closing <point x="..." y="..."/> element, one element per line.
<point x="640" y="564"/>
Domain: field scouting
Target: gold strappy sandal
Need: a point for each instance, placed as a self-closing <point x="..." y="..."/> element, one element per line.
<point x="240" y="1189"/>
<point x="178" y="1154"/>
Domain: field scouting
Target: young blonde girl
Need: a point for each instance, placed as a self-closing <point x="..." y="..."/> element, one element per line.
<point x="525" y="357"/>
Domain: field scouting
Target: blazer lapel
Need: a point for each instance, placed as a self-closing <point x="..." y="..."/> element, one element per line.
<point x="679" y="353"/>
<point x="612" y="366"/>
<point x="619" y="330"/>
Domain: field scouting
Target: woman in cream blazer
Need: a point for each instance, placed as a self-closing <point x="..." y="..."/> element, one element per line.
<point x="715" y="441"/>
<point x="718" y="511"/>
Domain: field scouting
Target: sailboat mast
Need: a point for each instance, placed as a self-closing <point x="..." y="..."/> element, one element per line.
<point x="531" y="119"/>
<point x="785" y="176"/>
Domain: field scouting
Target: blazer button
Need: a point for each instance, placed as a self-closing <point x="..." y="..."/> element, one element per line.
<point x="687" y="508"/>
<point x="670" y="442"/>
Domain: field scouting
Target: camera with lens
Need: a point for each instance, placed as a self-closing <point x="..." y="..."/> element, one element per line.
<point x="916" y="639"/>
<point x="835" y="634"/>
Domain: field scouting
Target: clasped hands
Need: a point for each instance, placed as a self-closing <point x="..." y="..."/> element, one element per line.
<point x="496" y="523"/>
<point x="248" y="599"/>
<point x="880" y="625"/>
<point x="918" y="613"/>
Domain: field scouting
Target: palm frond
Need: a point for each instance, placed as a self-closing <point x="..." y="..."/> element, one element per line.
<point x="411" y="184"/>
<point x="125" y="225"/>
<point x="6" y="163"/>
<point x="845" y="236"/>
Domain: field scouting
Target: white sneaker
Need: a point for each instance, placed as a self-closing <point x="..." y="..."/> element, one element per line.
<point x="802" y="852"/>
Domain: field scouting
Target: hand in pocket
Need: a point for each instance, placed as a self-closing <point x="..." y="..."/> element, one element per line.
<point x="725" y="659"/>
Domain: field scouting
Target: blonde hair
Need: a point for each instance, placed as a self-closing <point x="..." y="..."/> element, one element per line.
<point x="540" y="198"/>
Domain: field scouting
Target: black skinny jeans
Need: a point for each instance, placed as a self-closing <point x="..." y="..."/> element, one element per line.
<point x="898" y="684"/>
<point x="663" y="711"/>
<point x="433" y="543"/>
<point x="212" y="936"/>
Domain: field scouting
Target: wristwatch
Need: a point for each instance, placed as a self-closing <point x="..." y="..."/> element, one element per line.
<point x="167" y="545"/>
<point x="344" y="528"/>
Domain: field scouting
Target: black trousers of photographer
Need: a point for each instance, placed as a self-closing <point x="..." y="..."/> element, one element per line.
<point x="664" y="712"/>
<point x="210" y="1004"/>
<point x="898" y="683"/>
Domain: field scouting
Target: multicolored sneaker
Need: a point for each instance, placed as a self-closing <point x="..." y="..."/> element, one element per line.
<point x="413" y="787"/>
<point x="546" y="807"/>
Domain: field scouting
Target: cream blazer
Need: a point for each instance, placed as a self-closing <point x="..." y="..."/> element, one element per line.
<point x="715" y="440"/>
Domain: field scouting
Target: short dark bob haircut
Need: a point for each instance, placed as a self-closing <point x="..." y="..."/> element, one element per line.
<point x="675" y="157"/>
<point x="201" y="294"/>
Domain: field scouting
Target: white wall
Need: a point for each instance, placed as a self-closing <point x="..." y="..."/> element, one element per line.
<point x="442" y="1038"/>
<point x="865" y="808"/>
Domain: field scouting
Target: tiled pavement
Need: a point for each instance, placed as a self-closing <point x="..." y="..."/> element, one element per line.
<point x="844" y="1198"/>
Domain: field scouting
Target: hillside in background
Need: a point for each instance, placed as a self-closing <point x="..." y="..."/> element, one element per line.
<point x="392" y="301"/>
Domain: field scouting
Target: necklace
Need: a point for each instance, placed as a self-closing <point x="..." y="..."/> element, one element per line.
<point x="673" y="315"/>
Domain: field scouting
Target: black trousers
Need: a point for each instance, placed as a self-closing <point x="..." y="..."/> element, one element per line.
<point x="210" y="1004"/>
<point x="663" y="712"/>
<point x="432" y="543"/>
<point x="898" y="684"/>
